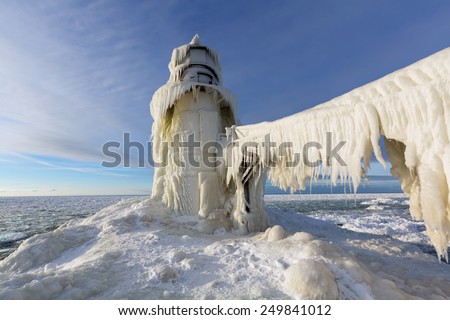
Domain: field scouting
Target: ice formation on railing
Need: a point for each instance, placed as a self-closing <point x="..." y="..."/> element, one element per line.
<point x="410" y="108"/>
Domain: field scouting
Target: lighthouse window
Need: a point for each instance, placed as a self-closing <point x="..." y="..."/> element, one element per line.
<point x="204" y="78"/>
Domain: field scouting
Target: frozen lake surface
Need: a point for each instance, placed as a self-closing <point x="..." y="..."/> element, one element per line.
<point x="23" y="217"/>
<point x="335" y="246"/>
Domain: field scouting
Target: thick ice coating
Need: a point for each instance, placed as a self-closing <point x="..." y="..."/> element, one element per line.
<point x="192" y="104"/>
<point x="410" y="108"/>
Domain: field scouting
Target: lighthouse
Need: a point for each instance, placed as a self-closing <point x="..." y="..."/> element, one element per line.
<point x="193" y="119"/>
<point x="190" y="114"/>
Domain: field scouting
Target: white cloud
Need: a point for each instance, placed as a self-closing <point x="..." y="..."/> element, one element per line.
<point x="102" y="172"/>
<point x="71" y="80"/>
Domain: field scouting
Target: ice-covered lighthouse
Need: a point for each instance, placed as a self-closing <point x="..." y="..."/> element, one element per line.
<point x="193" y="109"/>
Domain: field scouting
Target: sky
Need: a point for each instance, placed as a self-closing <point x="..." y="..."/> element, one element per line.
<point x="77" y="74"/>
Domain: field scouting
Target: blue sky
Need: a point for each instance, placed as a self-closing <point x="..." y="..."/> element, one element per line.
<point x="76" y="74"/>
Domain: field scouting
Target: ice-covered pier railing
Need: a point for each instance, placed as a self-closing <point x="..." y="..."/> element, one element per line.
<point x="410" y="108"/>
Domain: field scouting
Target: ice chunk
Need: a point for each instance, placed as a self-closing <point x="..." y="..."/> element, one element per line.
<point x="276" y="233"/>
<point x="310" y="279"/>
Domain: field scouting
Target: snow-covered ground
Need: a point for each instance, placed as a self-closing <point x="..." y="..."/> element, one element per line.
<point x="137" y="249"/>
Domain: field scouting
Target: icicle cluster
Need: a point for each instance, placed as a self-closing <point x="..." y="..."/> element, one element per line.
<point x="410" y="108"/>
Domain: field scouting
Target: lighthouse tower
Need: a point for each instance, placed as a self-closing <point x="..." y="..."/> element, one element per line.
<point x="190" y="115"/>
<point x="194" y="117"/>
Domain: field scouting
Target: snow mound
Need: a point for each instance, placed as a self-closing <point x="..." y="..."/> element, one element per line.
<point x="276" y="233"/>
<point x="137" y="249"/>
<point x="310" y="279"/>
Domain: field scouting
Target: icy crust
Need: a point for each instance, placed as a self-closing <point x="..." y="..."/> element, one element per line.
<point x="409" y="107"/>
<point x="137" y="249"/>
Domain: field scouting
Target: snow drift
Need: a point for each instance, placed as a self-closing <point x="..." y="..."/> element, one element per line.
<point x="410" y="108"/>
<point x="137" y="249"/>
